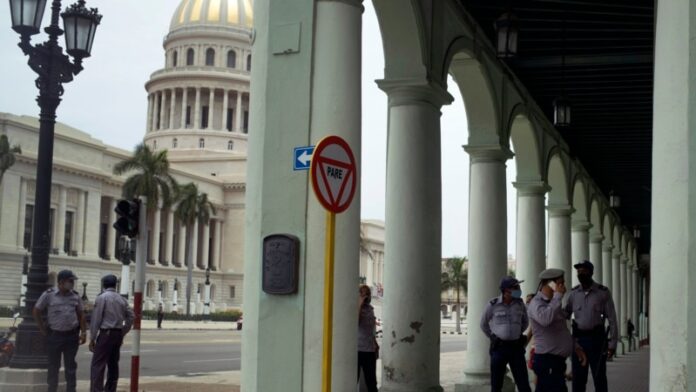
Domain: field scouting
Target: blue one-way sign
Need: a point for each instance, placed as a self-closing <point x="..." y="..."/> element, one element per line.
<point x="302" y="157"/>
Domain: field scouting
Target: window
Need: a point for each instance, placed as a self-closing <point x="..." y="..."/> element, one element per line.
<point x="228" y="121"/>
<point x="188" y="116"/>
<point x="69" y="215"/>
<point x="175" y="58"/>
<point x="102" y="240"/>
<point x="28" y="225"/>
<point x="204" y="117"/>
<point x="190" y="54"/>
<point x="230" y="145"/>
<point x="248" y="63"/>
<point x="231" y="59"/>
<point x="210" y="57"/>
<point x="232" y="291"/>
<point x="246" y="121"/>
<point x="201" y="143"/>
<point x="175" y="142"/>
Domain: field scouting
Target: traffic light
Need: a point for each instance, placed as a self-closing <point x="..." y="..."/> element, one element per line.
<point x="128" y="215"/>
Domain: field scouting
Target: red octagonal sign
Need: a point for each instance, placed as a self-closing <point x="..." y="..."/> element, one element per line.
<point x="334" y="174"/>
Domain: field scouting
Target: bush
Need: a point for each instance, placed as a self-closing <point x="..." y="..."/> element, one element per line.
<point x="227" y="315"/>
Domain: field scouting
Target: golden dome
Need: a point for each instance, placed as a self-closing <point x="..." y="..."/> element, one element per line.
<point x="237" y="13"/>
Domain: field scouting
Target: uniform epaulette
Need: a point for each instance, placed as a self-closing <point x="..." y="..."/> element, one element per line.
<point x="494" y="301"/>
<point x="50" y="290"/>
<point x="576" y="287"/>
<point x="604" y="288"/>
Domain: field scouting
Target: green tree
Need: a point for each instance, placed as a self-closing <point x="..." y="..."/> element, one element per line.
<point x="455" y="276"/>
<point x="192" y="207"/>
<point x="7" y="155"/>
<point x="152" y="178"/>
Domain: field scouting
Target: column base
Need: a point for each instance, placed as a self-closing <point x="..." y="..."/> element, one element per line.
<point x="482" y="383"/>
<point x="401" y="388"/>
<point x="624" y="345"/>
<point x="27" y="380"/>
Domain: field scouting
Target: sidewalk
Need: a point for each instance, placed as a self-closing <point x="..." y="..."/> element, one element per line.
<point x="166" y="325"/>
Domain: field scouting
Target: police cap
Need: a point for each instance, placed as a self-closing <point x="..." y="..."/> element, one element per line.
<point x="551" y="273"/>
<point x="65" y="275"/>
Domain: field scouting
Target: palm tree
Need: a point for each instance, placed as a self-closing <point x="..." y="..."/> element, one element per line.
<point x="455" y="277"/>
<point x="193" y="206"/>
<point x="7" y="155"/>
<point x="152" y="179"/>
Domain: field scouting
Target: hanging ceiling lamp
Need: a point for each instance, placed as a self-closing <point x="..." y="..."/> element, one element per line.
<point x="636" y="232"/>
<point x="561" y="105"/>
<point x="506" y="28"/>
<point x="614" y="200"/>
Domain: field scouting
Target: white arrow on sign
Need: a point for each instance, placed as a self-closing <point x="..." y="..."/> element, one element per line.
<point x="304" y="158"/>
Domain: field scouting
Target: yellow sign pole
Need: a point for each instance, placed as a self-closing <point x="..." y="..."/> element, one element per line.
<point x="328" y="301"/>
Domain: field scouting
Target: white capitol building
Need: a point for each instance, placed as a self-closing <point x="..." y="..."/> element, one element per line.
<point x="198" y="111"/>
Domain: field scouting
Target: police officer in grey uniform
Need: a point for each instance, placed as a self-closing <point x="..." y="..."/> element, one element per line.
<point x="504" y="321"/>
<point x="111" y="320"/>
<point x="64" y="327"/>
<point x="553" y="342"/>
<point x="591" y="304"/>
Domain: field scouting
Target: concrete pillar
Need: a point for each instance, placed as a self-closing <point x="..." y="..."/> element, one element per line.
<point x="22" y="209"/>
<point x="580" y="246"/>
<point x="487" y="250"/>
<point x="211" y="109"/>
<point x="184" y="106"/>
<point x="163" y="110"/>
<point x="239" y="112"/>
<point x="412" y="241"/>
<point x="169" y="237"/>
<point x="181" y="253"/>
<point x="156" y="230"/>
<point x="79" y="236"/>
<point x="616" y="291"/>
<point x="110" y="231"/>
<point x="635" y="296"/>
<point x="217" y="242"/>
<point x="9" y="199"/>
<point x="607" y="265"/>
<point x="153" y="113"/>
<point x="624" y="301"/>
<point x="197" y="110"/>
<point x="329" y="44"/>
<point x="559" y="246"/>
<point x="205" y="257"/>
<point x="596" y="256"/>
<point x="172" y="108"/>
<point x="92" y="223"/>
<point x="150" y="106"/>
<point x="194" y="245"/>
<point x="531" y="233"/>
<point x="60" y="219"/>
<point x="225" y="106"/>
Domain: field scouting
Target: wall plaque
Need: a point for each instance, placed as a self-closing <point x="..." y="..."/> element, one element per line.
<point x="281" y="254"/>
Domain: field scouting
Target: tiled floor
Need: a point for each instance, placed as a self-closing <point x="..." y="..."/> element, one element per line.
<point x="628" y="373"/>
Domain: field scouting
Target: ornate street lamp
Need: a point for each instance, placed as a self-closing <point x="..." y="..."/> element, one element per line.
<point x="614" y="200"/>
<point x="561" y="112"/>
<point x="53" y="68"/>
<point x="206" y="305"/>
<point x="84" y="292"/>
<point x="506" y="30"/>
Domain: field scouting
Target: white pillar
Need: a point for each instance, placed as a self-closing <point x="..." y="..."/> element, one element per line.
<point x="596" y="256"/>
<point x="163" y="109"/>
<point x="580" y="246"/>
<point x="238" y="112"/>
<point x="22" y="213"/>
<point x="205" y="259"/>
<point x="559" y="248"/>
<point x="169" y="237"/>
<point x="634" y="297"/>
<point x="93" y="215"/>
<point x="172" y="108"/>
<point x="413" y="241"/>
<point x="150" y="105"/>
<point x="184" y="106"/>
<point x="487" y="249"/>
<point x="616" y="289"/>
<point x="206" y="296"/>
<point x="60" y="219"/>
<point x="155" y="108"/>
<point x="225" y="107"/>
<point x="194" y="245"/>
<point x="217" y="244"/>
<point x="197" y="110"/>
<point x="211" y="107"/>
<point x="531" y="233"/>
<point x="156" y="229"/>
<point x="624" y="301"/>
<point x="607" y="265"/>
<point x="181" y="253"/>
<point x="125" y="280"/>
<point x="80" y="224"/>
<point x="110" y="231"/>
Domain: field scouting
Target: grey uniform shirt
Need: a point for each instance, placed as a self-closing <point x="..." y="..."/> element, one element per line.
<point x="61" y="309"/>
<point x="367" y="324"/>
<point x="111" y="311"/>
<point x="506" y="321"/>
<point x="548" y="320"/>
<point x="590" y="307"/>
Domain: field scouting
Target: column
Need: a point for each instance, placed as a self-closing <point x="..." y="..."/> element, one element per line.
<point x="624" y="302"/>
<point x="225" y="106"/>
<point x="531" y="233"/>
<point x="197" y="110"/>
<point x="172" y="108"/>
<point x="616" y="291"/>
<point x="156" y="230"/>
<point x="184" y="105"/>
<point x="150" y="105"/>
<point x="181" y="253"/>
<point x="194" y="246"/>
<point x="596" y="256"/>
<point x="607" y="265"/>
<point x="216" y="245"/>
<point x="155" y="108"/>
<point x="80" y="224"/>
<point x="559" y="247"/>
<point x="211" y="107"/>
<point x="580" y="246"/>
<point x="238" y="112"/>
<point x="22" y="209"/>
<point x="634" y="297"/>
<point x="60" y="219"/>
<point x="205" y="259"/>
<point x="413" y="241"/>
<point x="169" y="237"/>
<point x="163" y="109"/>
<point x="111" y="232"/>
<point x="92" y="223"/>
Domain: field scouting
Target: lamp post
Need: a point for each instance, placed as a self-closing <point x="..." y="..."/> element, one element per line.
<point x="84" y="292"/>
<point x="206" y="305"/>
<point x="54" y="68"/>
<point x="23" y="288"/>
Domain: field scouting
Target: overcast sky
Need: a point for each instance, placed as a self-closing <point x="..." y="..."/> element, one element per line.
<point x="108" y="101"/>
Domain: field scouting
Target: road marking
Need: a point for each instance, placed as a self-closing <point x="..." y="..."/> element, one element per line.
<point x="213" y="360"/>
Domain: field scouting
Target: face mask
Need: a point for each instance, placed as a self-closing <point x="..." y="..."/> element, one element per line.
<point x="68" y="286"/>
<point x="552" y="284"/>
<point x="584" y="278"/>
<point x="516" y="293"/>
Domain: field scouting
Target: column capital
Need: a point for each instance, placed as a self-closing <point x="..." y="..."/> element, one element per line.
<point x="488" y="153"/>
<point x="353" y="3"/>
<point x="415" y="91"/>
<point x="607" y="248"/>
<point x="531" y="188"/>
<point x="596" y="238"/>
<point x="560" y="209"/>
<point x="617" y="254"/>
<point x="624" y="259"/>
<point x="580" y="226"/>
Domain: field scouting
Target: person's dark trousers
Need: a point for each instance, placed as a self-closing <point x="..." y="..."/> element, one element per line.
<point x="509" y="353"/>
<point x="65" y="345"/>
<point x="550" y="371"/>
<point x="596" y="361"/>
<point x="367" y="361"/>
<point x="107" y="352"/>
<point x="159" y="322"/>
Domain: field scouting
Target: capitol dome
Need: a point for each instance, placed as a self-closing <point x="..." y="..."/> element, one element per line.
<point x="230" y="13"/>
